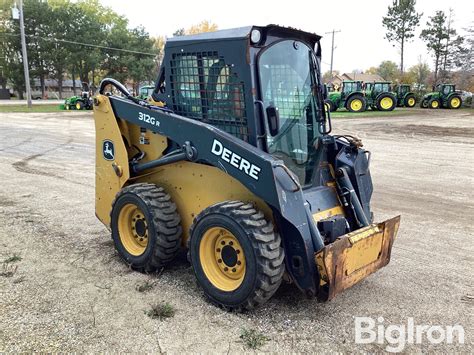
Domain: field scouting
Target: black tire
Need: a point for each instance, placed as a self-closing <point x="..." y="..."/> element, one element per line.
<point x="386" y="96"/>
<point x="434" y="104"/>
<point x="424" y="104"/>
<point x="162" y="224"/>
<point x="353" y="98"/>
<point x="330" y="104"/>
<point x="452" y="100"/>
<point x="264" y="256"/>
<point x="410" y="101"/>
<point x="79" y="105"/>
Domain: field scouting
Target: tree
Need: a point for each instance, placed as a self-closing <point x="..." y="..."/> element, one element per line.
<point x="204" y="26"/>
<point x="435" y="36"/>
<point x="327" y="76"/>
<point x="401" y="21"/>
<point x="179" y="32"/>
<point x="388" y="70"/>
<point x="420" y="73"/>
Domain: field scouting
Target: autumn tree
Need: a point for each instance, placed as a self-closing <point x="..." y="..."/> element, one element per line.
<point x="400" y="22"/>
<point x="443" y="43"/>
<point x="388" y="70"/>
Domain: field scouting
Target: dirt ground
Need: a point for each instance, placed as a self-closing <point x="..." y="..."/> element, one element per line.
<point x="70" y="291"/>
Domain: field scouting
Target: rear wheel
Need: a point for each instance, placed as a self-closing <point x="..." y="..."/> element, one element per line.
<point x="386" y="102"/>
<point x="435" y="103"/>
<point x="410" y="101"/>
<point x="424" y="104"/>
<point x="356" y="103"/>
<point x="236" y="255"/>
<point x="454" y="102"/>
<point x="145" y="227"/>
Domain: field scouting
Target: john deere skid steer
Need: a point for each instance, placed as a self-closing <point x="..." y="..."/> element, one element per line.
<point x="233" y="159"/>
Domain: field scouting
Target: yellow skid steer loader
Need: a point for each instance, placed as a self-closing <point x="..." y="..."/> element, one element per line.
<point x="232" y="158"/>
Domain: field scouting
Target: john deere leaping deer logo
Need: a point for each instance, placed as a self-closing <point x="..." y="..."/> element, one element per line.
<point x="108" y="150"/>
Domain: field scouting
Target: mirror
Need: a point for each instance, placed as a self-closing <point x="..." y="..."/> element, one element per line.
<point x="273" y="118"/>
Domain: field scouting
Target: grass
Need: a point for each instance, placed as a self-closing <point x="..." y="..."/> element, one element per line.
<point x="370" y="113"/>
<point x="253" y="339"/>
<point x="12" y="259"/>
<point x="161" y="311"/>
<point x="35" y="108"/>
<point x="145" y="286"/>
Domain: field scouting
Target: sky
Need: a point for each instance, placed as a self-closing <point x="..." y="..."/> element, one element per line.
<point x="359" y="45"/>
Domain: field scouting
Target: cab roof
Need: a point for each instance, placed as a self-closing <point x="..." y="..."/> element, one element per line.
<point x="244" y="33"/>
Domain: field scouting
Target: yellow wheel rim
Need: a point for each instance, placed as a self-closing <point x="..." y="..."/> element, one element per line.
<point x="386" y="103"/>
<point x="328" y="107"/>
<point x="222" y="259"/>
<point x="434" y="104"/>
<point x="356" y="105"/>
<point x="78" y="106"/>
<point x="133" y="229"/>
<point x="411" y="102"/>
<point x="455" y="102"/>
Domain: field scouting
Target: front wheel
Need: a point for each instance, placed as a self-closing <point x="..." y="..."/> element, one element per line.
<point x="410" y="101"/>
<point x="435" y="103"/>
<point x="424" y="104"/>
<point x="329" y="105"/>
<point x="236" y="255"/>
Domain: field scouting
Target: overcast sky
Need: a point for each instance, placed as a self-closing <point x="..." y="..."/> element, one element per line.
<point x="360" y="44"/>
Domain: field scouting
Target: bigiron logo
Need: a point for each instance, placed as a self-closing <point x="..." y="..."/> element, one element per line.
<point x="108" y="150"/>
<point x="235" y="160"/>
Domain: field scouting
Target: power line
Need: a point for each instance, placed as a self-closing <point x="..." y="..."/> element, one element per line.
<point x="83" y="44"/>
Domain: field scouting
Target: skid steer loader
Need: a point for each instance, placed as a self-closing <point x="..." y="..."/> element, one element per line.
<point x="233" y="159"/>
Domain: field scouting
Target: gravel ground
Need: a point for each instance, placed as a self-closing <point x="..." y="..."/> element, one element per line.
<point x="70" y="291"/>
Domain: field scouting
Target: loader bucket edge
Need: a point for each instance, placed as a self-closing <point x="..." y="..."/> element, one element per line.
<point x="354" y="256"/>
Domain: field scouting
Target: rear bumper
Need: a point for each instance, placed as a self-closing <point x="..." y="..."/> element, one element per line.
<point x="354" y="256"/>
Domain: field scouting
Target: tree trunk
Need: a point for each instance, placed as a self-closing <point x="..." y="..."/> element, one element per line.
<point x="60" y="83"/>
<point x="73" y="80"/>
<point x="43" y="89"/>
<point x="401" y="54"/>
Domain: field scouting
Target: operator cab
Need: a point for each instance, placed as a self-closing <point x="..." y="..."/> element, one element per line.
<point x="260" y="84"/>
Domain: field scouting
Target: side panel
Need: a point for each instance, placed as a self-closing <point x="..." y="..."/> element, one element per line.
<point x="194" y="187"/>
<point x="107" y="181"/>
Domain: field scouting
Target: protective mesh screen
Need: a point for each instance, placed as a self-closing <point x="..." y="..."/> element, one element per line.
<point x="203" y="88"/>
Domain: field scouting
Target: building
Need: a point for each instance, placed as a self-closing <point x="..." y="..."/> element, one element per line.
<point x="52" y="88"/>
<point x="336" y="82"/>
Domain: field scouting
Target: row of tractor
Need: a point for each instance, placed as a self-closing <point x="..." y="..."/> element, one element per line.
<point x="357" y="96"/>
<point x="84" y="101"/>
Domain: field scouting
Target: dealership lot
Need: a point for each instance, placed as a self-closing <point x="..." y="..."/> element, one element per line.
<point x="70" y="291"/>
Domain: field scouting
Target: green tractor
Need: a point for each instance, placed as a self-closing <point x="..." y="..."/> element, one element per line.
<point x="145" y="92"/>
<point x="405" y="97"/>
<point x="82" y="102"/>
<point x="379" y="96"/>
<point x="444" y="95"/>
<point x="350" y="97"/>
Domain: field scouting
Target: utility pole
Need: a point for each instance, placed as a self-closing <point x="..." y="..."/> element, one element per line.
<point x="25" y="56"/>
<point x="332" y="47"/>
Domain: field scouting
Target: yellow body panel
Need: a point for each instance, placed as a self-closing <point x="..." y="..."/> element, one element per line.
<point x="337" y="210"/>
<point x="194" y="187"/>
<point x="110" y="176"/>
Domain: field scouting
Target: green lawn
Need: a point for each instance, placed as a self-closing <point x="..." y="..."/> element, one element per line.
<point x="370" y="113"/>
<point x="35" y="108"/>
